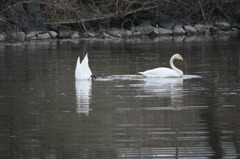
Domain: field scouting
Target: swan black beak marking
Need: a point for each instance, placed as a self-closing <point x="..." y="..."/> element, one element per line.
<point x="93" y="77"/>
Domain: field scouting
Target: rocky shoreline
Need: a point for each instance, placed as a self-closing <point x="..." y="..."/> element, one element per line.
<point x="146" y="29"/>
<point x="29" y="25"/>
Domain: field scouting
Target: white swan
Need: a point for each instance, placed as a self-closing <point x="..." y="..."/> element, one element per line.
<point x="163" y="72"/>
<point x="82" y="71"/>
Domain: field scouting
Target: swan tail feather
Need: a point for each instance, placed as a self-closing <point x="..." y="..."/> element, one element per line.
<point x="85" y="60"/>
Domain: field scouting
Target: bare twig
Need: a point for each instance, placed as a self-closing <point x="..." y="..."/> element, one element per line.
<point x="202" y="11"/>
<point x="3" y="20"/>
<point x="103" y="16"/>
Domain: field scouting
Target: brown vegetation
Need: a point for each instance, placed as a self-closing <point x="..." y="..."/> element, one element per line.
<point x="108" y="13"/>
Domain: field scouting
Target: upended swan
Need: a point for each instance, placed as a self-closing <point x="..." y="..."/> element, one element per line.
<point x="82" y="71"/>
<point x="163" y="72"/>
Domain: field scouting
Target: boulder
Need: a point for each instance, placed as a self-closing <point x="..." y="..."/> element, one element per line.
<point x="2" y="37"/>
<point x="178" y="30"/>
<point x="115" y="32"/>
<point x="53" y="34"/>
<point x="203" y="27"/>
<point x="64" y="34"/>
<point x="214" y="29"/>
<point x="224" y="26"/>
<point x="135" y="33"/>
<point x="235" y="27"/>
<point x="128" y="33"/>
<point x="144" y="28"/>
<point x="75" y="35"/>
<point x="119" y="33"/>
<point x="170" y="23"/>
<point x="43" y="36"/>
<point x="18" y="36"/>
<point x="90" y="34"/>
<point x="162" y="31"/>
<point x="31" y="35"/>
<point x="190" y="30"/>
<point x="105" y="35"/>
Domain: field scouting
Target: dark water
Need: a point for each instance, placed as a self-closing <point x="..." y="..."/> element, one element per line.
<point x="45" y="113"/>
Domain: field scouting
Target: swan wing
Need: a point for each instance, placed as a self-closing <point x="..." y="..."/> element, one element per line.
<point x="161" y="72"/>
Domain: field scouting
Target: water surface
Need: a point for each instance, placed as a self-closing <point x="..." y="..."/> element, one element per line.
<point x="45" y="113"/>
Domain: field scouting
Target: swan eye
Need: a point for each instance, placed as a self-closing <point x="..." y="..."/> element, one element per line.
<point x="180" y="58"/>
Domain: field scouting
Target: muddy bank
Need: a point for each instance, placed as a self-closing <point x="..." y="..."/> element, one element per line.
<point x="24" y="22"/>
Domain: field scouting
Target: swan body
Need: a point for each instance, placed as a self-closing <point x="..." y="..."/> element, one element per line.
<point x="82" y="71"/>
<point x="163" y="72"/>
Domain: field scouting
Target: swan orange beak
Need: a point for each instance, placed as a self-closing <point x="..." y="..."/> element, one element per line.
<point x="180" y="58"/>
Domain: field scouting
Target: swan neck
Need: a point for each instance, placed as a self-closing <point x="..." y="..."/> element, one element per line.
<point x="174" y="67"/>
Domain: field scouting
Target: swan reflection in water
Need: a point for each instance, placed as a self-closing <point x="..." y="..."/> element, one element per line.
<point x="171" y="88"/>
<point x="83" y="96"/>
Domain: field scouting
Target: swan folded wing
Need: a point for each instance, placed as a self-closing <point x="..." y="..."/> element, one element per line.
<point x="161" y="72"/>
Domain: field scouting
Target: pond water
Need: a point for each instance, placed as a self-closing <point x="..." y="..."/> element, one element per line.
<point x="45" y="113"/>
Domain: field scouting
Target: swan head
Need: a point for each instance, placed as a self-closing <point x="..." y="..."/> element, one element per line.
<point x="178" y="57"/>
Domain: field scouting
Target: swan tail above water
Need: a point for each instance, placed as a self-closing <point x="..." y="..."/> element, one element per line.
<point x="82" y="70"/>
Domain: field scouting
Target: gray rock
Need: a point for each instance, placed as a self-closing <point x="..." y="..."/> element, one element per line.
<point x="34" y="38"/>
<point x="129" y="33"/>
<point x="18" y="36"/>
<point x="178" y="30"/>
<point x="115" y="32"/>
<point x="170" y="23"/>
<point x="106" y="35"/>
<point x="234" y="29"/>
<point x="53" y="34"/>
<point x="89" y="34"/>
<point x="189" y="29"/>
<point x="75" y="35"/>
<point x="144" y="28"/>
<point x="43" y="36"/>
<point x="224" y="26"/>
<point x="135" y="33"/>
<point x="200" y="28"/>
<point x="2" y="37"/>
<point x="163" y="31"/>
<point x="214" y="29"/>
<point x="203" y="27"/>
<point x="31" y="35"/>
<point x="119" y="33"/>
<point x="64" y="34"/>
